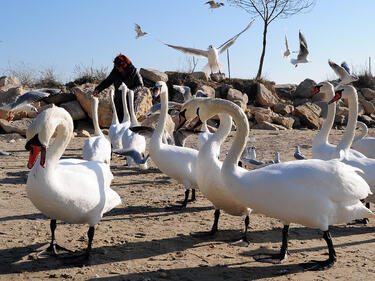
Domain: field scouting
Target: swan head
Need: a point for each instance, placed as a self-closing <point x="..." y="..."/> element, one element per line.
<point x="123" y="87"/>
<point x="326" y="88"/>
<point x="189" y="111"/>
<point x="344" y="92"/>
<point x="41" y="130"/>
<point x="160" y="87"/>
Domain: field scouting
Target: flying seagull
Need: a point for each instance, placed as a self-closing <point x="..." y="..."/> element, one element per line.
<point x="303" y="51"/>
<point x="24" y="102"/>
<point x="286" y="54"/>
<point x="212" y="54"/>
<point x="214" y="5"/>
<point x="139" y="31"/>
<point x="343" y="72"/>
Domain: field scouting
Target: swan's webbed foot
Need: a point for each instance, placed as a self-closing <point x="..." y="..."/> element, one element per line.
<point x="243" y="242"/>
<point x="53" y="250"/>
<point x="363" y="221"/>
<point x="272" y="258"/>
<point x="319" y="265"/>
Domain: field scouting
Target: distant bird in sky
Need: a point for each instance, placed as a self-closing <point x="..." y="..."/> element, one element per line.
<point x="212" y="54"/>
<point x="24" y="102"/>
<point x="139" y="31"/>
<point x="303" y="51"/>
<point x="214" y="5"/>
<point x="343" y="72"/>
<point x="298" y="155"/>
<point x="286" y="54"/>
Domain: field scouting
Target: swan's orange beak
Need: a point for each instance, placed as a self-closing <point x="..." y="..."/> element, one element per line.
<point x="336" y="97"/>
<point x="182" y="119"/>
<point x="316" y="90"/>
<point x="34" y="152"/>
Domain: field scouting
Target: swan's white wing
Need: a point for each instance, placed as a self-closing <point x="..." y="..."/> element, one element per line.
<point x="190" y="51"/>
<point x="231" y="41"/>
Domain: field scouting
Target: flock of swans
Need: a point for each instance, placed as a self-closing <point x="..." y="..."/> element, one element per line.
<point x="316" y="193"/>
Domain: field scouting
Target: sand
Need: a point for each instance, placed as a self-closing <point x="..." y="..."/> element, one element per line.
<point x="143" y="240"/>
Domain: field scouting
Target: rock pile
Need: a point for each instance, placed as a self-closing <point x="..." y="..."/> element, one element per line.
<point x="267" y="106"/>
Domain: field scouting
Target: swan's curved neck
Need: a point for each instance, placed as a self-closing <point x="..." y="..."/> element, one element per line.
<point x="95" y="121"/>
<point x="363" y="133"/>
<point x="114" y="114"/>
<point x="348" y="136"/>
<point x="239" y="142"/>
<point x="222" y="132"/>
<point x="204" y="126"/>
<point x="64" y="132"/>
<point x="125" y="106"/>
<point x="133" y="118"/>
<point x="158" y="132"/>
<point x="322" y="136"/>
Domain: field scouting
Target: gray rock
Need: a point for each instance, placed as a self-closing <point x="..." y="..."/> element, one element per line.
<point x="305" y="88"/>
<point x="153" y="75"/>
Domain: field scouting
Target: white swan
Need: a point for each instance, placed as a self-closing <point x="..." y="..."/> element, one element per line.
<point x="363" y="144"/>
<point x="208" y="171"/>
<point x="97" y="147"/>
<point x="71" y="190"/>
<point x="367" y="165"/>
<point x="321" y="148"/>
<point x="314" y="193"/>
<point x="204" y="136"/>
<point x="116" y="129"/>
<point x="177" y="162"/>
<point x="131" y="140"/>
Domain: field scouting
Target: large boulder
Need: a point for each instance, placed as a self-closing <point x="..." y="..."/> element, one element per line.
<point x="7" y="82"/>
<point x="286" y="122"/>
<point x="264" y="125"/>
<point x="309" y="115"/>
<point x="153" y="75"/>
<point x="142" y="102"/>
<point x="368" y="93"/>
<point x="200" y="75"/>
<point x="368" y="106"/>
<point x="208" y="90"/>
<point x="283" y="108"/>
<point x="83" y="94"/>
<point x="75" y="110"/>
<point x="305" y="89"/>
<point x="11" y="94"/>
<point x="265" y="97"/>
<point x="18" y="126"/>
<point x="237" y="97"/>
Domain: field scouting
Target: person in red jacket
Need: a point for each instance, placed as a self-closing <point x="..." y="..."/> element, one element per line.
<point x="123" y="71"/>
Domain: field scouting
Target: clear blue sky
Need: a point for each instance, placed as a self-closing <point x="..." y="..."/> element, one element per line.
<point x="62" y="34"/>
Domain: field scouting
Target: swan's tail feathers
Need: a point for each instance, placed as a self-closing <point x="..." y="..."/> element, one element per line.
<point x="112" y="200"/>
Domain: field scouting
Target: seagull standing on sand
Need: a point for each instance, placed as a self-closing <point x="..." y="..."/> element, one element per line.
<point x="298" y="155"/>
<point x="24" y="102"/>
<point x="212" y="54"/>
<point x="139" y="31"/>
<point x="343" y="72"/>
<point x="303" y="51"/>
<point x="214" y="5"/>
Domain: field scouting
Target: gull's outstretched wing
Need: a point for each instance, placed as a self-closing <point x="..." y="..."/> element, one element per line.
<point x="190" y="51"/>
<point x="231" y="41"/>
<point x="303" y="49"/>
<point x="340" y="71"/>
<point x="26" y="99"/>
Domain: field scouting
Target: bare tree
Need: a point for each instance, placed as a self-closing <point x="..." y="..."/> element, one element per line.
<point x="269" y="10"/>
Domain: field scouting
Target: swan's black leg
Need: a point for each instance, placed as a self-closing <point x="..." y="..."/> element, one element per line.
<point x="53" y="246"/>
<point x="184" y="203"/>
<point x="321" y="265"/>
<point x="90" y="235"/>
<point x="277" y="258"/>
<point x="192" y="195"/>
<point x="213" y="230"/>
<point x="244" y="242"/>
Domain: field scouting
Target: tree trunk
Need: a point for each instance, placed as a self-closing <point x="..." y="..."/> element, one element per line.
<point x="259" y="74"/>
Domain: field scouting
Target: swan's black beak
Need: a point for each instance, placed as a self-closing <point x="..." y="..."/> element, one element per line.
<point x="316" y="89"/>
<point x="198" y="121"/>
<point x="337" y="96"/>
<point x="182" y="119"/>
<point x="156" y="91"/>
